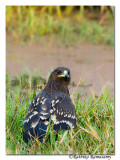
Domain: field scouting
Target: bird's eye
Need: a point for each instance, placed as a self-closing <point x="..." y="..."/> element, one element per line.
<point x="58" y="72"/>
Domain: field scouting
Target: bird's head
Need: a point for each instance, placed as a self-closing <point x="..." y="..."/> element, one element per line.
<point x="62" y="74"/>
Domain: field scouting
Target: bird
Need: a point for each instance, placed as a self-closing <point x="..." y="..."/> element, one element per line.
<point x="52" y="104"/>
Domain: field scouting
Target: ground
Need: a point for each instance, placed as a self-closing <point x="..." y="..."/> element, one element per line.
<point x="92" y="65"/>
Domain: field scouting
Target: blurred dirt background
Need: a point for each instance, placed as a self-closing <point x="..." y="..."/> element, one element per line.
<point x="91" y="63"/>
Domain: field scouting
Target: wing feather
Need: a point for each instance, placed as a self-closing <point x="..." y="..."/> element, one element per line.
<point x="62" y="111"/>
<point x="39" y="110"/>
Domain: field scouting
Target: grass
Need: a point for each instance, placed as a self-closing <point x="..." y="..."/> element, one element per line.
<point x="31" y="23"/>
<point x="94" y="133"/>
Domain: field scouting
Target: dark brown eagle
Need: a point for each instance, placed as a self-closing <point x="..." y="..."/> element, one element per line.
<point x="54" y="104"/>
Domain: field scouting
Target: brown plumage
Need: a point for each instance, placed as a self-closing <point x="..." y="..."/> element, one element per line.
<point x="54" y="104"/>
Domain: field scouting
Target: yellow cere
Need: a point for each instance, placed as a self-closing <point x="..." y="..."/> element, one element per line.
<point x="64" y="73"/>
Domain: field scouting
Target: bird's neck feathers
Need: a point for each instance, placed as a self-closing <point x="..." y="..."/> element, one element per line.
<point x="56" y="86"/>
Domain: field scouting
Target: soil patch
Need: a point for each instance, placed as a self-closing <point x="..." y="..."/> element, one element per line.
<point x="92" y="66"/>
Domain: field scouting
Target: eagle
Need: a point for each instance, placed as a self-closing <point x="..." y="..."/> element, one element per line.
<point x="53" y="105"/>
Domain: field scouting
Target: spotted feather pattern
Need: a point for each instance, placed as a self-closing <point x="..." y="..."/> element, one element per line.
<point x="62" y="111"/>
<point x="52" y="105"/>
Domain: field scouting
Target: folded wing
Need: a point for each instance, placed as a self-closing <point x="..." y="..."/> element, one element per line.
<point x="63" y="114"/>
<point x="37" y="117"/>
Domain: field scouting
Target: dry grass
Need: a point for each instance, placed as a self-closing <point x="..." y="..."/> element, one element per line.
<point x="64" y="24"/>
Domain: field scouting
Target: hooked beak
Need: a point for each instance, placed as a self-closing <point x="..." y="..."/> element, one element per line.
<point x="64" y="74"/>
